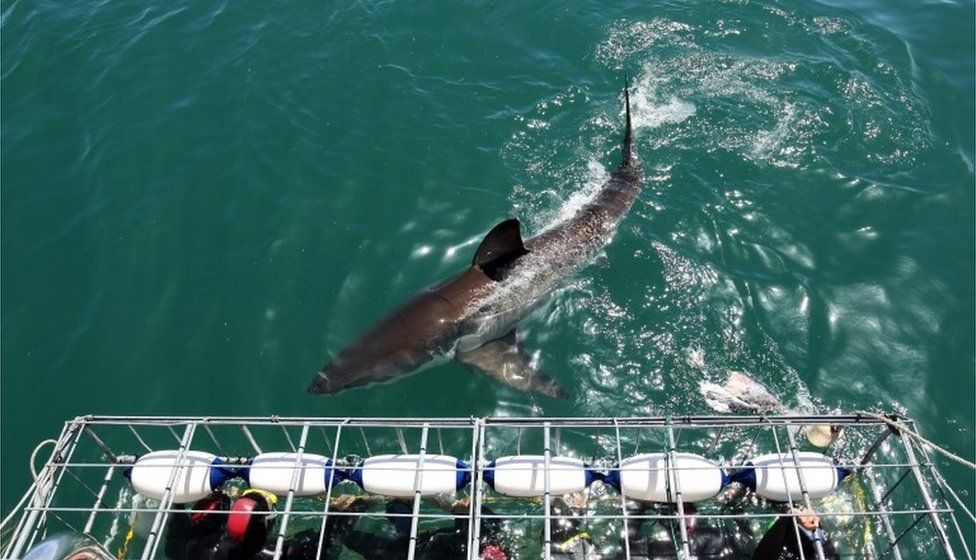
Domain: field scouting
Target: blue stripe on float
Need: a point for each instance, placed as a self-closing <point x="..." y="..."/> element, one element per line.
<point x="489" y="475"/>
<point x="613" y="477"/>
<point x="463" y="474"/>
<point x="356" y="475"/>
<point x="745" y="476"/>
<point x="219" y="474"/>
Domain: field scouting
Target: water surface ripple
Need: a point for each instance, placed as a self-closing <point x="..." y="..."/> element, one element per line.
<point x="202" y="202"/>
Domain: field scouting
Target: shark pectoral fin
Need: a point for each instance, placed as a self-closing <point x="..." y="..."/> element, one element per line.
<point x="504" y="360"/>
<point x="499" y="249"/>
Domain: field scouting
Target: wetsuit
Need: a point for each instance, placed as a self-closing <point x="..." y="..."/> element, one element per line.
<point x="301" y="546"/>
<point x="705" y="541"/>
<point x="186" y="542"/>
<point x="441" y="544"/>
<point x="779" y="542"/>
<point x="192" y="536"/>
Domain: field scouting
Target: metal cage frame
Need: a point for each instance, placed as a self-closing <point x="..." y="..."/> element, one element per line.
<point x="91" y="452"/>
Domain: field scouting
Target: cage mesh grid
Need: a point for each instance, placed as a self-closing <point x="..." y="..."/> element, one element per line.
<point x="901" y="511"/>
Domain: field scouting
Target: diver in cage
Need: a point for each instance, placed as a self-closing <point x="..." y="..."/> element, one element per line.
<point x="570" y="541"/>
<point x="195" y="534"/>
<point x="219" y="530"/>
<point x="447" y="543"/>
<point x="248" y="525"/>
<point x="780" y="540"/>
<point x="656" y="540"/>
<point x="707" y="538"/>
<point x="250" y="529"/>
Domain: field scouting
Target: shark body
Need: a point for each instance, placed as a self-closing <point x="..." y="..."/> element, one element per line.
<point x="472" y="317"/>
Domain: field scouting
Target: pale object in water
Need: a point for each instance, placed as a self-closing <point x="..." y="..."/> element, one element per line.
<point x="822" y="435"/>
<point x="742" y="393"/>
<point x="69" y="546"/>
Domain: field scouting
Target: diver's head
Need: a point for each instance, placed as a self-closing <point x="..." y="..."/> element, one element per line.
<point x="205" y="517"/>
<point x="250" y="520"/>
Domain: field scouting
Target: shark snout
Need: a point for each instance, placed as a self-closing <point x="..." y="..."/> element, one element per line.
<point x="321" y="385"/>
<point x="343" y="373"/>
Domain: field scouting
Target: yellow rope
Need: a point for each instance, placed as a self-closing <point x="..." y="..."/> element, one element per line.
<point x="121" y="552"/>
<point x="567" y="544"/>
<point x="861" y="500"/>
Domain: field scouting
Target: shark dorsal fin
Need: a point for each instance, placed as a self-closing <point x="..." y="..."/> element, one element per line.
<point x="499" y="249"/>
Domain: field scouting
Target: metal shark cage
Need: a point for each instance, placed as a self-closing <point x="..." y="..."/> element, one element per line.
<point x="894" y="506"/>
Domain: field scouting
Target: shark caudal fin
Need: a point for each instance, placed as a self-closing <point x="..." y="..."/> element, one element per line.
<point x="628" y="149"/>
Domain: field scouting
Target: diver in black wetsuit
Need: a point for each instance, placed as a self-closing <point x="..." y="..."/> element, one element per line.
<point x="249" y="531"/>
<point x="780" y="540"/>
<point x="441" y="544"/>
<point x="569" y="539"/>
<point x="217" y="530"/>
<point x="247" y="527"/>
<point x="705" y="540"/>
<point x="194" y="535"/>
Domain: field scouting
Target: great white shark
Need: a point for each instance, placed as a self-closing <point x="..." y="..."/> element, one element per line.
<point x="473" y="315"/>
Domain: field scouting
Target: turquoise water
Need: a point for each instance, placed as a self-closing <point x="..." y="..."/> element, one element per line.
<point x="202" y="202"/>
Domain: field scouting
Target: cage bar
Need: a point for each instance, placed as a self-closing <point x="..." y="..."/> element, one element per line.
<point x="898" y="479"/>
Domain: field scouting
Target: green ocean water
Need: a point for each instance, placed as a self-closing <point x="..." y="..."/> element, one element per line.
<point x="202" y="202"/>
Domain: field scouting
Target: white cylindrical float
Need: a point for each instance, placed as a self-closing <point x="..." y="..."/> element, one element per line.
<point x="777" y="476"/>
<point x="399" y="475"/>
<point x="642" y="478"/>
<point x="198" y="473"/>
<point x="523" y="476"/>
<point x="273" y="472"/>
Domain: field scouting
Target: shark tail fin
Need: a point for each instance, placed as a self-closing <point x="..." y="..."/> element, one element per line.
<point x="628" y="149"/>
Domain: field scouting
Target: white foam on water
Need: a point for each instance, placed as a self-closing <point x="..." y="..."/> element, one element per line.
<point x="589" y="186"/>
<point x="648" y="110"/>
